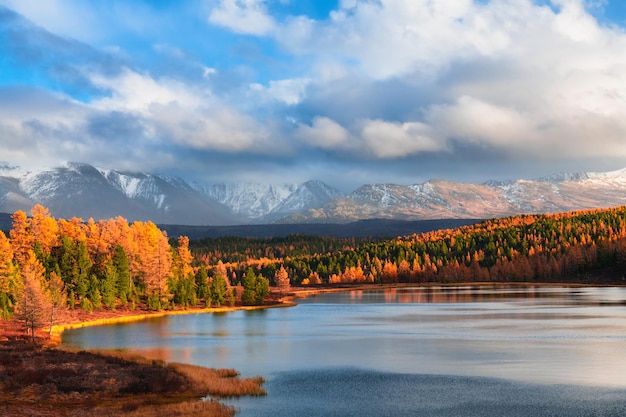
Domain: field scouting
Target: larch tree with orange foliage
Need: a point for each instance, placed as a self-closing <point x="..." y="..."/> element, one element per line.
<point x="282" y="280"/>
<point x="22" y="239"/>
<point x="154" y="262"/>
<point x="44" y="229"/>
<point x="10" y="282"/>
<point x="33" y="303"/>
<point x="183" y="282"/>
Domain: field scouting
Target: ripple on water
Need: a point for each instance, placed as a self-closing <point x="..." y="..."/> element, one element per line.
<point x="363" y="393"/>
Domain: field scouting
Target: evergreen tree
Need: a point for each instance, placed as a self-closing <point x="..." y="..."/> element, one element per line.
<point x="122" y="270"/>
<point x="108" y="285"/>
<point x="248" y="296"/>
<point x="218" y="290"/>
<point x="202" y="282"/>
<point x="93" y="292"/>
<point x="232" y="297"/>
<point x="262" y="288"/>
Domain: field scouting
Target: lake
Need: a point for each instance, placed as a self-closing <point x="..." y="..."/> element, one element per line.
<point x="427" y="351"/>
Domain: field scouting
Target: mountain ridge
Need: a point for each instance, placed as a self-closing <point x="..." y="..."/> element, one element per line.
<point x="85" y="191"/>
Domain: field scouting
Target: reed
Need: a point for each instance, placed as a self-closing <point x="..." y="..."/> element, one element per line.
<point x="220" y="382"/>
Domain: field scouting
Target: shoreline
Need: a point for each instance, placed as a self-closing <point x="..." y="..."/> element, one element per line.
<point x="291" y="297"/>
<point x="56" y="334"/>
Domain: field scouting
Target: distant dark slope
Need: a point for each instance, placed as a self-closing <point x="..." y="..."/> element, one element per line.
<point x="365" y="228"/>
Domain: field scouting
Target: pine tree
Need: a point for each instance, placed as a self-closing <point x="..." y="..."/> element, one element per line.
<point x="249" y="287"/>
<point x="218" y="290"/>
<point x="108" y="285"/>
<point x="202" y="282"/>
<point x="262" y="288"/>
<point x="122" y="271"/>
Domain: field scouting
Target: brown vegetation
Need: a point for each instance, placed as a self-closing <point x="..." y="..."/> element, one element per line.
<point x="40" y="381"/>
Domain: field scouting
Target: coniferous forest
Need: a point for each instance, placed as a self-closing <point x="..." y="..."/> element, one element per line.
<point x="49" y="265"/>
<point x="564" y="247"/>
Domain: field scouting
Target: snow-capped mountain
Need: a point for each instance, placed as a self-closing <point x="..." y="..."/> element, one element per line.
<point x="437" y="199"/>
<point x="82" y="190"/>
<point x="269" y="203"/>
<point x="251" y="201"/>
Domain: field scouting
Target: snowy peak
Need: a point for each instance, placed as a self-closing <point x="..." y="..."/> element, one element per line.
<point x="249" y="200"/>
<point x="262" y="202"/>
<point x="82" y="190"/>
<point x="311" y="194"/>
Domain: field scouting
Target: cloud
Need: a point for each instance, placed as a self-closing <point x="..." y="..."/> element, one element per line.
<point x="512" y="76"/>
<point x="371" y="86"/>
<point x="392" y="140"/>
<point x="138" y="92"/>
<point x="288" y="91"/>
<point x="323" y="133"/>
<point x="243" y="16"/>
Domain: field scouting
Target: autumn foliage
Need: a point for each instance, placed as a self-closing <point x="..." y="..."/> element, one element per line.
<point x="61" y="264"/>
<point x="542" y="248"/>
<point x="49" y="265"/>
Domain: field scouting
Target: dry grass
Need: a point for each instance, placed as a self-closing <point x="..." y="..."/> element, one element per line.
<point x="39" y="381"/>
<point x="220" y="382"/>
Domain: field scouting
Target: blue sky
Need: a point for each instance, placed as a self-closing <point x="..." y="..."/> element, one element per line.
<point x="346" y="91"/>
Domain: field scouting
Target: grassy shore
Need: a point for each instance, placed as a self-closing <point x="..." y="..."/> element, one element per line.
<point x="38" y="379"/>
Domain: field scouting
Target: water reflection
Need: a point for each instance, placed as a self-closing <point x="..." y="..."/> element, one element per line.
<point x="416" y="295"/>
<point x="531" y="334"/>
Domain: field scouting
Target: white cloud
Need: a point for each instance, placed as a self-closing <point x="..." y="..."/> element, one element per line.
<point x="508" y="75"/>
<point x="392" y="140"/>
<point x="289" y="91"/>
<point x="138" y="92"/>
<point x="323" y="133"/>
<point x="243" y="16"/>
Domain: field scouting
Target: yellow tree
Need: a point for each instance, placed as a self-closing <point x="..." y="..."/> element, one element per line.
<point x="9" y="278"/>
<point x="55" y="293"/>
<point x="21" y="237"/>
<point x="154" y="262"/>
<point x="44" y="228"/>
<point x="282" y="280"/>
<point x="32" y="304"/>
<point x="184" y="257"/>
<point x="182" y="284"/>
<point x="73" y="228"/>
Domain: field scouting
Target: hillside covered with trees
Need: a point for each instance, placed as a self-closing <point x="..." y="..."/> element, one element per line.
<point x="49" y="265"/>
<point x="533" y="248"/>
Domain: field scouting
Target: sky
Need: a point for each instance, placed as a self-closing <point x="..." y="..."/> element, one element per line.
<point x="346" y="91"/>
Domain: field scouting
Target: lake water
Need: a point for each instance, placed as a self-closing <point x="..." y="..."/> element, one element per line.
<point x="437" y="351"/>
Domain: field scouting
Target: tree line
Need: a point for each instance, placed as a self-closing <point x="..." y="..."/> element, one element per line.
<point x="541" y="248"/>
<point x="50" y="265"/>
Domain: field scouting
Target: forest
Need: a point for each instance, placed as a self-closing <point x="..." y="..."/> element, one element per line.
<point x="49" y="265"/>
<point x="564" y="247"/>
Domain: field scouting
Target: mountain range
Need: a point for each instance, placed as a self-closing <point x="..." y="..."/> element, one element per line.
<point x="82" y="190"/>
